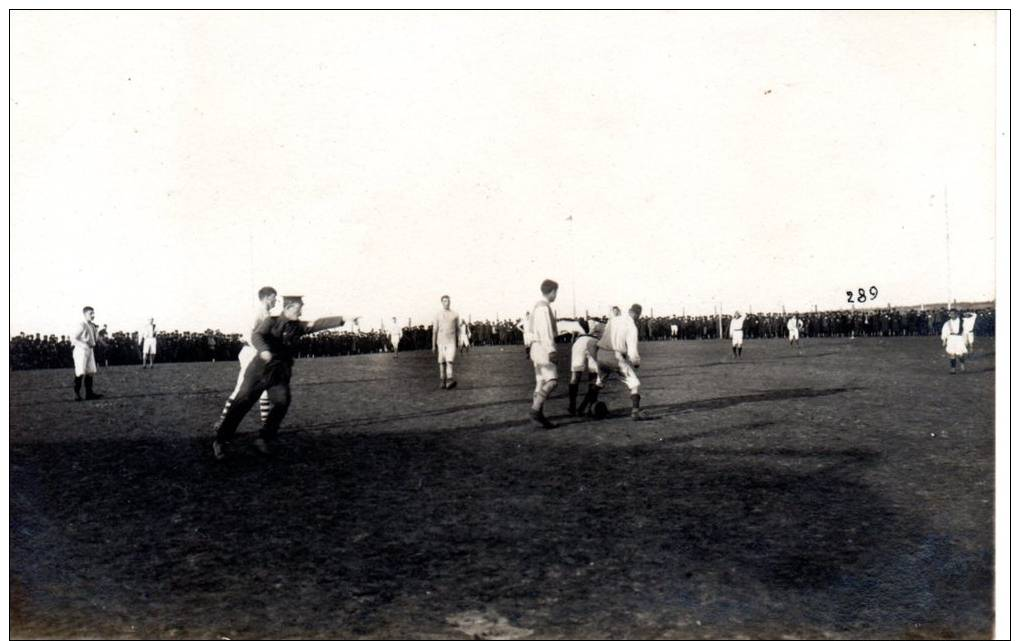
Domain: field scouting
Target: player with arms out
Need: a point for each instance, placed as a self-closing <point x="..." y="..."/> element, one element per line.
<point x="444" y="342"/>
<point x="541" y="347"/>
<point x="276" y="341"/>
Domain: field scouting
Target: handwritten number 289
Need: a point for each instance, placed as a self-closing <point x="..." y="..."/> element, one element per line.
<point x="862" y="296"/>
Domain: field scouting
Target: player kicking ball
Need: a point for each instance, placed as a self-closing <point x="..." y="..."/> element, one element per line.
<point x="444" y="342"/>
<point x="275" y="341"/>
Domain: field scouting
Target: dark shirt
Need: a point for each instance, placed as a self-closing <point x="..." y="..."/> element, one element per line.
<point x="279" y="336"/>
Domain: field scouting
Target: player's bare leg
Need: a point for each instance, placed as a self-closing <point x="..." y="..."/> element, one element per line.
<point x="450" y="382"/>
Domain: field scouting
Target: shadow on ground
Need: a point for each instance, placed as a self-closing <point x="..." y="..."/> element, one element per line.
<point x="371" y="534"/>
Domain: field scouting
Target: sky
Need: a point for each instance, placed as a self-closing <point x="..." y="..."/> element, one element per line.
<point x="168" y="164"/>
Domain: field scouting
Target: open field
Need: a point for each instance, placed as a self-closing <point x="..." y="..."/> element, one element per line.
<point x="846" y="491"/>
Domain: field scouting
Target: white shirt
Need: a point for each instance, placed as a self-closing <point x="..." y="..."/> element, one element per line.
<point x="542" y="326"/>
<point x="968" y="323"/>
<point x="621" y="336"/>
<point x="793" y="324"/>
<point x="736" y="325"/>
<point x="951" y="327"/>
<point x="84" y="335"/>
<point x="261" y="314"/>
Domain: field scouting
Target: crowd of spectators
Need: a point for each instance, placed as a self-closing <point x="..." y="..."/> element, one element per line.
<point x="889" y="322"/>
<point x="36" y="351"/>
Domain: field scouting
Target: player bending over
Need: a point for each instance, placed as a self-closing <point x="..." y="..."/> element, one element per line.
<point x="584" y="358"/>
<point x="618" y="353"/>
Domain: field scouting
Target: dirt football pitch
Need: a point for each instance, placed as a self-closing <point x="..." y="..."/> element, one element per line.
<point x="844" y="491"/>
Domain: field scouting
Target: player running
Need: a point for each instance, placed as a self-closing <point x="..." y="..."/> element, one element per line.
<point x="444" y="342"/>
<point x="275" y="341"/>
<point x="267" y="301"/>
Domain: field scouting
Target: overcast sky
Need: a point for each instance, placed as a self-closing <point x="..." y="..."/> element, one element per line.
<point x="169" y="164"/>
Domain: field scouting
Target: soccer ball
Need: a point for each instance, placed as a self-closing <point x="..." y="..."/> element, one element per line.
<point x="600" y="410"/>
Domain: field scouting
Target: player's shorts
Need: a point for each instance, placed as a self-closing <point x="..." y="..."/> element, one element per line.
<point x="970" y="339"/>
<point x="956" y="345"/>
<point x="84" y="360"/>
<point x="795" y="335"/>
<point x="464" y="342"/>
<point x="545" y="364"/>
<point x="611" y="362"/>
<point x="581" y="360"/>
<point x="738" y="338"/>
<point x="446" y="353"/>
<point x="149" y="346"/>
<point x="394" y="340"/>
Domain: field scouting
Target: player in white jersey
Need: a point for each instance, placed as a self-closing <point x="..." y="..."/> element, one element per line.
<point x="793" y="327"/>
<point x="83" y="338"/>
<point x="541" y="335"/>
<point x="444" y="342"/>
<point x="464" y="336"/>
<point x="525" y="327"/>
<point x="147" y="340"/>
<point x="737" y="334"/>
<point x="584" y="359"/>
<point x="954" y="340"/>
<point x="395" y="332"/>
<point x="267" y="301"/>
<point x="618" y="353"/>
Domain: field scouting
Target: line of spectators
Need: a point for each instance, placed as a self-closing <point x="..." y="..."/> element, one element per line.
<point x="890" y="322"/>
<point x="28" y="351"/>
